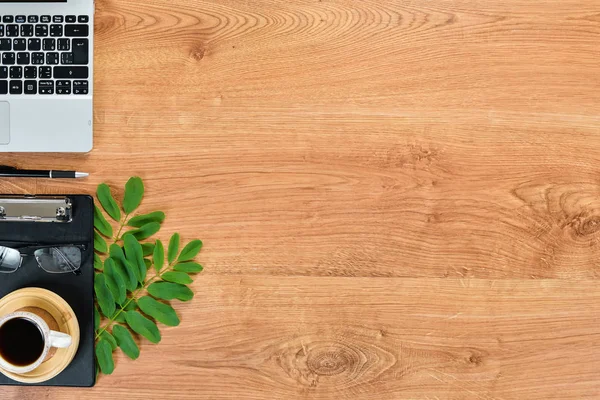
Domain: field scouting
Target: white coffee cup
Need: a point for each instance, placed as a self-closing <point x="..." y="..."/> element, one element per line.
<point x="52" y="339"/>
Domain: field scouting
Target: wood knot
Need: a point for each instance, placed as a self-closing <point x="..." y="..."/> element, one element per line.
<point x="333" y="363"/>
<point x="585" y="226"/>
<point x="331" y="360"/>
<point x="475" y="359"/>
<point x="198" y="51"/>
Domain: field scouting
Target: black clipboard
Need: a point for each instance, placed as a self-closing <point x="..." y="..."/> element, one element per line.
<point x="51" y="220"/>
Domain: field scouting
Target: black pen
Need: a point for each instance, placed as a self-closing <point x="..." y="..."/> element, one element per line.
<point x="12" y="172"/>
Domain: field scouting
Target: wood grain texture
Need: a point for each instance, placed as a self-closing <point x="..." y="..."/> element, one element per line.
<point x="399" y="199"/>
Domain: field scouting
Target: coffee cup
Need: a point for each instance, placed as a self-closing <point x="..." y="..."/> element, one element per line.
<point x="28" y="337"/>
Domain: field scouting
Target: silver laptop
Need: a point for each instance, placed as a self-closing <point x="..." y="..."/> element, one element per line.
<point x="46" y="75"/>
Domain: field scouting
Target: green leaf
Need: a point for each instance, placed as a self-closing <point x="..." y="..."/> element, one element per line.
<point x="110" y="339"/>
<point x="116" y="253"/>
<point x="135" y="255"/>
<point x="131" y="306"/>
<point x="130" y="274"/>
<point x="99" y="243"/>
<point x="177" y="277"/>
<point x="112" y="286"/>
<point x="114" y="274"/>
<point x="141" y="220"/>
<point x="147" y="249"/>
<point x="189" y="267"/>
<point x="126" y="342"/>
<point x="98" y="262"/>
<point x="135" y="272"/>
<point x="108" y="202"/>
<point x="170" y="291"/>
<point x="159" y="256"/>
<point x="148" y="263"/>
<point x="173" y="248"/>
<point x="143" y="326"/>
<point x="190" y="251"/>
<point x="105" y="357"/>
<point x="128" y="277"/>
<point x="96" y="318"/>
<point x="134" y="191"/>
<point x="119" y="316"/>
<point x="104" y="296"/>
<point x="161" y="312"/>
<point x="101" y="224"/>
<point x="145" y="231"/>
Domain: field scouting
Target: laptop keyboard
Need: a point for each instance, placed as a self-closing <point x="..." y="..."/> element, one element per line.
<point x="43" y="54"/>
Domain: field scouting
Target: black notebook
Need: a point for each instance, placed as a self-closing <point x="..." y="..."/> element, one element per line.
<point x="77" y="290"/>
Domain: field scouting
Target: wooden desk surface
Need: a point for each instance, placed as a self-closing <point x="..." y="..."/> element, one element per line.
<point x="399" y="199"/>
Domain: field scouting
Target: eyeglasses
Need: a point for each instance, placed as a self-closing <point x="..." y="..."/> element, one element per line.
<point x="54" y="259"/>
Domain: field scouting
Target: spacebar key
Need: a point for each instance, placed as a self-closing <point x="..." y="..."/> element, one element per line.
<point x="71" y="72"/>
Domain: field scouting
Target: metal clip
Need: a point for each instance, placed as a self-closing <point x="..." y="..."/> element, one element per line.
<point x="36" y="209"/>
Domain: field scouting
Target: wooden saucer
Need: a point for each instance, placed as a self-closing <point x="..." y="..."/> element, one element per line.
<point x="67" y="321"/>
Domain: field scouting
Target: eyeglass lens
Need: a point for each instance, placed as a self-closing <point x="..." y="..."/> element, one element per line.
<point x="59" y="260"/>
<point x="10" y="260"/>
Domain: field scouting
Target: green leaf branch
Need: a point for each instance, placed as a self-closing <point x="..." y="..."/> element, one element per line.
<point x="133" y="283"/>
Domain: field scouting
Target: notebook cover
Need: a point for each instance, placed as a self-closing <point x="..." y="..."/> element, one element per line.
<point x="77" y="290"/>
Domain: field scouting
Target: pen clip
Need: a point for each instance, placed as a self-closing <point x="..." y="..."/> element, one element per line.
<point x="7" y="168"/>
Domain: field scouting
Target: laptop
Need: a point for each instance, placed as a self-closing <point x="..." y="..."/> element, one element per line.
<point x="46" y="75"/>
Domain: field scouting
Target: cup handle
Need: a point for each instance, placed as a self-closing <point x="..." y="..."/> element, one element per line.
<point x="59" y="340"/>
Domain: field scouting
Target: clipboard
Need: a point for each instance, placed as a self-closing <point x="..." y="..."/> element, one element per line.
<point x="48" y="220"/>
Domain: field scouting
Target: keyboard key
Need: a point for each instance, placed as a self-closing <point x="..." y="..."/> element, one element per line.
<point x="80" y="87"/>
<point x="30" y="87"/>
<point x="58" y="19"/>
<point x="1" y="30"/>
<point x="3" y="72"/>
<point x="5" y="45"/>
<point x="34" y="44"/>
<point x="27" y="30"/>
<point x="3" y="87"/>
<point x="51" y="58"/>
<point x="45" y="72"/>
<point x="80" y="51"/>
<point x="49" y="44"/>
<point x="41" y="30"/>
<point x="66" y="58"/>
<point x="83" y="19"/>
<point x="37" y="58"/>
<point x="71" y="72"/>
<point x="71" y="19"/>
<point x="9" y="59"/>
<point x="63" y="87"/>
<point x="45" y="19"/>
<point x="30" y="72"/>
<point x="8" y="19"/>
<point x="56" y="30"/>
<point x="16" y="87"/>
<point x="20" y="19"/>
<point x="12" y="30"/>
<point x="33" y="19"/>
<point x="19" y="44"/>
<point x="77" y="30"/>
<point x="46" y="87"/>
<point x="16" y="72"/>
<point x="23" y="59"/>
<point x="64" y="44"/>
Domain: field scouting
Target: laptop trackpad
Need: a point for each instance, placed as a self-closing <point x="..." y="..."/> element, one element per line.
<point x="4" y="122"/>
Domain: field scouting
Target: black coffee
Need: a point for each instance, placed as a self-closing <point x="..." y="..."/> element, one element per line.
<point x="21" y="342"/>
